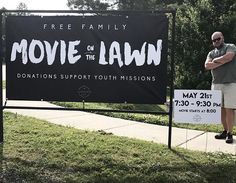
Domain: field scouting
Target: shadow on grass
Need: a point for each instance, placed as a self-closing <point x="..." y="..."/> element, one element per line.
<point x="212" y="171"/>
<point x="32" y="171"/>
<point x="20" y="170"/>
<point x="184" y="158"/>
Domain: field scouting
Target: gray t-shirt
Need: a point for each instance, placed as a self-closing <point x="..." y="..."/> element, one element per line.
<point x="227" y="72"/>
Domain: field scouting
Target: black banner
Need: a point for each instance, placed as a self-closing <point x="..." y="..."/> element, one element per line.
<point x="87" y="58"/>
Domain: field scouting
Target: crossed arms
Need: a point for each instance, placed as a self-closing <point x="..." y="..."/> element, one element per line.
<point x="217" y="62"/>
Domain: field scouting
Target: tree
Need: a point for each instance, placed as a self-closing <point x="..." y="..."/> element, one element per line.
<point x="22" y="6"/>
<point x="87" y="5"/>
<point x="196" y="21"/>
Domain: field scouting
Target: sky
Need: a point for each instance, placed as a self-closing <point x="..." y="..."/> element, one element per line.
<point x="35" y="4"/>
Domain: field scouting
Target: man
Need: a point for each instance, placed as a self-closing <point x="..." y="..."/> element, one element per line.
<point x="222" y="63"/>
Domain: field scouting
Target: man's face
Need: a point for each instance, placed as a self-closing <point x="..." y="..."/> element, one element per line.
<point x="217" y="40"/>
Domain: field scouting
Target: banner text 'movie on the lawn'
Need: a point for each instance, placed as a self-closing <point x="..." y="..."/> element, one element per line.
<point x="87" y="58"/>
<point x="68" y="51"/>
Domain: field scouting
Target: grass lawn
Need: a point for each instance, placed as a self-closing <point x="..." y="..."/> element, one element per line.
<point x="37" y="151"/>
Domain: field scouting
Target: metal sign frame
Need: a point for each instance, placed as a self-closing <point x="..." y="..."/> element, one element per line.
<point x="172" y="12"/>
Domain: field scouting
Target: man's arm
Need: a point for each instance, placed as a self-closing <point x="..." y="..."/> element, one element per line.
<point x="228" y="57"/>
<point x="209" y="64"/>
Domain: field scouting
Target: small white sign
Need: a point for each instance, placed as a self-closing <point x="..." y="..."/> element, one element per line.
<point x="197" y="106"/>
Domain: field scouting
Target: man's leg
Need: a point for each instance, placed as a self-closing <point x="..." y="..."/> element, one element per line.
<point x="227" y="112"/>
<point x="229" y="119"/>
<point x="223" y="118"/>
<point x="230" y="123"/>
<point x="223" y="134"/>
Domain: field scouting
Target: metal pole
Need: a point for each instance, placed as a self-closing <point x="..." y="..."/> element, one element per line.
<point x="91" y="11"/>
<point x="172" y="79"/>
<point x="1" y="59"/>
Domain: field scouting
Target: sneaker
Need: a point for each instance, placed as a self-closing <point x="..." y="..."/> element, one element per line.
<point x="221" y="135"/>
<point x="229" y="138"/>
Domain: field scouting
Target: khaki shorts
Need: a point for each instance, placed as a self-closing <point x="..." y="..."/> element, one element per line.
<point x="228" y="94"/>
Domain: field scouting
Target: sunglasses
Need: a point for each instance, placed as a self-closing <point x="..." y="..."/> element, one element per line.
<point x="217" y="39"/>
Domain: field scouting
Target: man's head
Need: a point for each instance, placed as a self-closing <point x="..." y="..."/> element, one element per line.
<point x="217" y="39"/>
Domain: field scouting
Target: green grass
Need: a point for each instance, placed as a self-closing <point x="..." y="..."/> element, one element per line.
<point x="37" y="151"/>
<point x="146" y="118"/>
